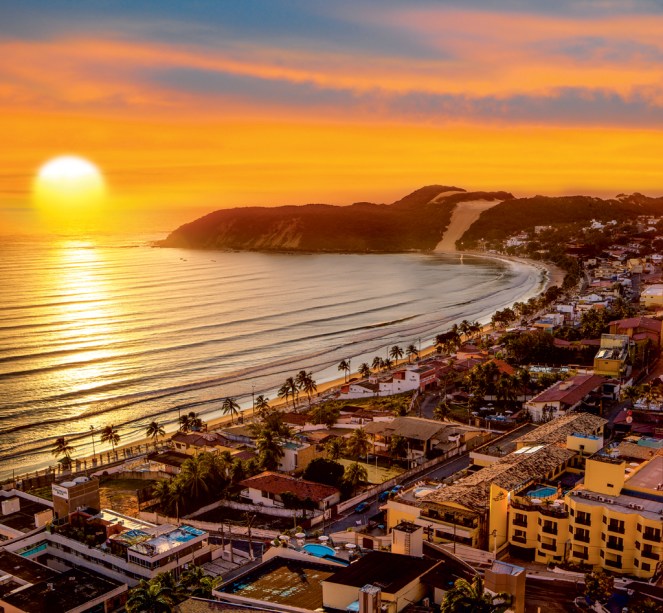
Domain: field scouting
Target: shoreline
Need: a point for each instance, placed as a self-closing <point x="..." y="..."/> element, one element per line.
<point x="553" y="275"/>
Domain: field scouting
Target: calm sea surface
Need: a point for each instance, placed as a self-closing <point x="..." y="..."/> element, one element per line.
<point x="109" y="331"/>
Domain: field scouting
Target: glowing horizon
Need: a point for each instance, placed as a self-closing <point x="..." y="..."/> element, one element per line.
<point x="223" y="106"/>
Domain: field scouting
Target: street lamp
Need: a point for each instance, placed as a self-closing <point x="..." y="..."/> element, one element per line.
<point x="94" y="453"/>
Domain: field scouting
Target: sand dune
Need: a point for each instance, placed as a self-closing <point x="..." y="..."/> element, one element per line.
<point x="463" y="216"/>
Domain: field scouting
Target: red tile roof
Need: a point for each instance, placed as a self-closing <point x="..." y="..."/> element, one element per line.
<point x="277" y="483"/>
<point x="571" y="391"/>
<point x="646" y="323"/>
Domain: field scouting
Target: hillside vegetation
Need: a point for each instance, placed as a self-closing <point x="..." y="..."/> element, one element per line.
<point x="414" y="223"/>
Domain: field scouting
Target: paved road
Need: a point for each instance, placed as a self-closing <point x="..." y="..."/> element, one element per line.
<point x="350" y="518"/>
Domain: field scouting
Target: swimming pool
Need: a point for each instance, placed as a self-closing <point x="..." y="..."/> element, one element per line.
<point x="320" y="551"/>
<point x="543" y="492"/>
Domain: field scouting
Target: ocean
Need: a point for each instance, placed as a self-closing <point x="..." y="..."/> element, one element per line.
<point x="111" y="330"/>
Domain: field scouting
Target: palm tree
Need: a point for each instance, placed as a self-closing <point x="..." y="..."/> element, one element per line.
<point x="190" y="421"/>
<point x="411" y="351"/>
<point x="230" y="406"/>
<point x="306" y="383"/>
<point x="365" y="370"/>
<point x="354" y="475"/>
<point x="262" y="405"/>
<point x="179" y="496"/>
<point x="398" y="447"/>
<point x="154" y="431"/>
<point x="162" y="491"/>
<point x="631" y="394"/>
<point x="194" y="475"/>
<point x="377" y="363"/>
<point x="150" y="597"/>
<point x="466" y="597"/>
<point x="344" y="365"/>
<point x="387" y="364"/>
<point x="109" y="434"/>
<point x="62" y="448"/>
<point x="334" y="448"/>
<point x="289" y="388"/>
<point x="396" y="352"/>
<point x="284" y="392"/>
<point x="358" y="444"/>
<point x="441" y="411"/>
<point x="269" y="449"/>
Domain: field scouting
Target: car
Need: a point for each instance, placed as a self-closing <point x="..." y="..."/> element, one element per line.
<point x="396" y="489"/>
<point x="384" y="495"/>
<point x="362" y="507"/>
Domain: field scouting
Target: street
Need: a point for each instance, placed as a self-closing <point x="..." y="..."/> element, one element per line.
<point x="349" y="519"/>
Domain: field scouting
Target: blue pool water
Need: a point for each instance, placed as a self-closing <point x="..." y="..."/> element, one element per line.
<point x="319" y="551"/>
<point x="542" y="492"/>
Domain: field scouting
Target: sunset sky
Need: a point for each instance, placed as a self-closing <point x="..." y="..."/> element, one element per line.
<point x="190" y="107"/>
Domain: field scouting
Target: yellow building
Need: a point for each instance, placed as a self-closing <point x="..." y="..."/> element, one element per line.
<point x="610" y="360"/>
<point x="616" y="516"/>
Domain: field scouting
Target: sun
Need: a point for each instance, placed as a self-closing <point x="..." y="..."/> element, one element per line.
<point x="68" y="186"/>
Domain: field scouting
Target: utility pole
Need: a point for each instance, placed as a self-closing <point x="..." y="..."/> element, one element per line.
<point x="94" y="453"/>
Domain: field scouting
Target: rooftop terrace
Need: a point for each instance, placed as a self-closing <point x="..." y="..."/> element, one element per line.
<point x="281" y="581"/>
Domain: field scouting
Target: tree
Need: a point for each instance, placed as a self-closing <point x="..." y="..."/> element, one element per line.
<point x="441" y="411"/>
<point x="325" y="414"/>
<point x="631" y="394"/>
<point x="62" y="448"/>
<point x="269" y="449"/>
<point x="396" y="352"/>
<point x="109" y="434"/>
<point x="398" y="447"/>
<point x="154" y="431"/>
<point x="289" y="389"/>
<point x="412" y="351"/>
<point x="162" y="491"/>
<point x="599" y="586"/>
<point x="358" y="444"/>
<point x="365" y="370"/>
<point x="189" y="422"/>
<point x="262" y="405"/>
<point x="178" y="496"/>
<point x="377" y="363"/>
<point x="194" y="475"/>
<point x="344" y="365"/>
<point x="324" y="471"/>
<point x="307" y="384"/>
<point x="387" y="364"/>
<point x="466" y="597"/>
<point x="230" y="406"/>
<point x="335" y="447"/>
<point x="354" y="475"/>
<point x="150" y="597"/>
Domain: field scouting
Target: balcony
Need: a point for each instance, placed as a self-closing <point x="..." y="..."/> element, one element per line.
<point x="581" y="538"/>
<point x="652" y="536"/>
<point x="581" y="555"/>
<point x="550" y="528"/>
<point x="584" y="520"/>
<point x="616" y="528"/>
<point x="520" y="522"/>
<point x="519" y="539"/>
<point x="615" y="545"/>
<point x="646" y="553"/>
<point x="613" y="563"/>
<point x="549" y="546"/>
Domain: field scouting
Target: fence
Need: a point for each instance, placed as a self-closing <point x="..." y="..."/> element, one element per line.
<point x="264" y="510"/>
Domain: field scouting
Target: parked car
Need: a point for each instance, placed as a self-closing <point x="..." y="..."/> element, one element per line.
<point x="384" y="496"/>
<point x="396" y="489"/>
<point x="362" y="507"/>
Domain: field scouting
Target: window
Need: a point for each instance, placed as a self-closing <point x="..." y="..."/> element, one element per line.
<point x="646" y="566"/>
<point x="610" y="485"/>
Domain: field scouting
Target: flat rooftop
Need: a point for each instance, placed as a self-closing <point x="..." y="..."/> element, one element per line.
<point x="24" y="519"/>
<point x="163" y="543"/>
<point x="66" y="591"/>
<point x="282" y="581"/>
<point x="650" y="508"/>
<point x="650" y="476"/>
<point x="22" y="568"/>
